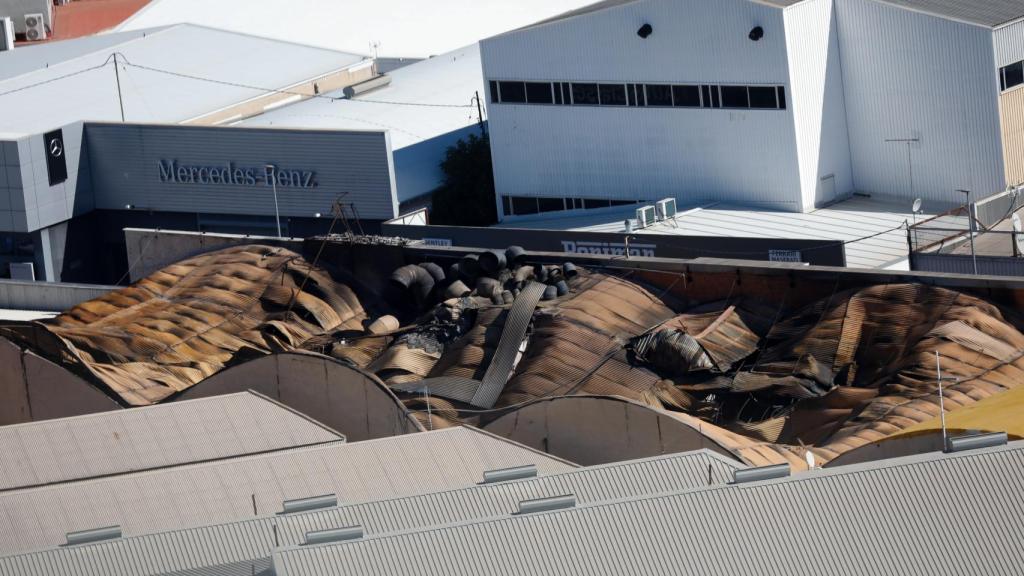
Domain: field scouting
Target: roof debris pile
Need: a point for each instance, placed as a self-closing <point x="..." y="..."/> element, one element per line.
<point x="489" y="335"/>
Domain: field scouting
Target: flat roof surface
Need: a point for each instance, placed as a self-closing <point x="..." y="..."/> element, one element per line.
<point x="446" y="83"/>
<point x="928" y="514"/>
<point x="410" y="28"/>
<point x="983" y="12"/>
<point x="845" y="221"/>
<point x="241" y="488"/>
<point x="77" y="80"/>
<point x="136" y="439"/>
<point x="250" y="543"/>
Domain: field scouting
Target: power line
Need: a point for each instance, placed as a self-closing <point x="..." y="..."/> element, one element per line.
<point x="51" y="80"/>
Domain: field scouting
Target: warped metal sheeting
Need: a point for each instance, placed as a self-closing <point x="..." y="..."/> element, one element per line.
<point x="186" y="322"/>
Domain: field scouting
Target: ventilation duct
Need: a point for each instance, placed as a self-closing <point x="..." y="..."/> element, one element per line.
<point x="312" y="503"/>
<point x="507" y="474"/>
<point x="364" y="87"/>
<point x="547" y="504"/>
<point x="761" y="473"/>
<point x="94" y="535"/>
<point x="333" y="535"/>
<point x="975" y="441"/>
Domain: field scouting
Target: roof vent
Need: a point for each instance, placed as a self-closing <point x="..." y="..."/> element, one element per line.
<point x="506" y="474"/>
<point x="761" y="473"/>
<point x="312" y="503"/>
<point x="975" y="441"/>
<point x="94" y="535"/>
<point x="333" y="535"/>
<point x="547" y="504"/>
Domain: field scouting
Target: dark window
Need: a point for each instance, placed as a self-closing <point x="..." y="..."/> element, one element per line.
<point x="584" y="94"/>
<point x="612" y="94"/>
<point x="566" y="94"/>
<point x="494" y="91"/>
<point x="686" y="96"/>
<point x="590" y="203"/>
<point x="735" y="97"/>
<point x="659" y="94"/>
<point x="716" y="97"/>
<point x="538" y="92"/>
<point x="513" y="92"/>
<point x="551" y="204"/>
<point x="506" y="204"/>
<point x="1013" y="75"/>
<point x="639" y="94"/>
<point x="763" y="97"/>
<point x="706" y="96"/>
<point x="558" y="93"/>
<point x="782" y="97"/>
<point x="631" y="94"/>
<point x="621" y="202"/>
<point x="522" y="205"/>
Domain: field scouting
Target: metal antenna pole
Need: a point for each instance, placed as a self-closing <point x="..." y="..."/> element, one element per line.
<point x="942" y="406"/>
<point x="479" y="113"/>
<point x="117" y="78"/>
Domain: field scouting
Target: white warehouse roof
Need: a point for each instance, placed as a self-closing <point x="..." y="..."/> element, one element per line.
<point x="427" y="107"/>
<point x="74" y="80"/>
<point x="409" y="28"/>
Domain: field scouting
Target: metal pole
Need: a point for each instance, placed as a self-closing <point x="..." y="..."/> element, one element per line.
<point x="970" y="228"/>
<point x="910" y="167"/>
<point x="942" y="406"/>
<point x="277" y="212"/>
<point x="117" y="77"/>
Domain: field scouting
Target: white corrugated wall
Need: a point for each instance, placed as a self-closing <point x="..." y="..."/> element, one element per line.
<point x="819" y="109"/>
<point x="910" y="75"/>
<point x="1009" y="43"/>
<point x="647" y="153"/>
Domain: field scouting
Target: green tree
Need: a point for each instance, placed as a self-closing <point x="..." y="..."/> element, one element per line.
<point x="466" y="197"/>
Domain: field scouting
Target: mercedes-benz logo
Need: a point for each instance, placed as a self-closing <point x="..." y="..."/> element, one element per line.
<point x="56" y="148"/>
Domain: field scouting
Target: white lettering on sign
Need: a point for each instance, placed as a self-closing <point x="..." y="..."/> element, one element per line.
<point x="231" y="175"/>
<point x="785" y="256"/>
<point x="436" y="241"/>
<point x="609" y="248"/>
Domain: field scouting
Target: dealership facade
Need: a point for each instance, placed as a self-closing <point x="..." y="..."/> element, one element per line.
<point x="69" y="192"/>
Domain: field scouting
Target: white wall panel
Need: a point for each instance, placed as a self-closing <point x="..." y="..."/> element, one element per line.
<point x="747" y="155"/>
<point x="910" y="75"/>
<point x="819" y="108"/>
<point x="1009" y="42"/>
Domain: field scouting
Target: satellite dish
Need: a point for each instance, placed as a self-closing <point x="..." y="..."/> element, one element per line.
<point x="917" y="205"/>
<point x="1016" y="223"/>
<point x="809" y="456"/>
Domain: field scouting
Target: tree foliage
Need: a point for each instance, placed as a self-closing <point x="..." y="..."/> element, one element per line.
<point x="466" y="197"/>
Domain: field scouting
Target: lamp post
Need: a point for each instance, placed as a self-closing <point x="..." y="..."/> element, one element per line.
<point x="970" y="228"/>
<point x="273" y="182"/>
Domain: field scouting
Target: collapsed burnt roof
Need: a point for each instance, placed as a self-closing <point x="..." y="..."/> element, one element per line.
<point x="764" y="376"/>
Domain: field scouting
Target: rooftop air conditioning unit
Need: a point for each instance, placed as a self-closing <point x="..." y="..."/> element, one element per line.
<point x="6" y="34"/>
<point x="35" y="27"/>
<point x="645" y="217"/>
<point x="666" y="208"/>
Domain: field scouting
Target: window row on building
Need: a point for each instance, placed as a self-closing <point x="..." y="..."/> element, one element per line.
<point x="651" y="95"/>
<point x="1012" y="75"/>
<point x="523" y="205"/>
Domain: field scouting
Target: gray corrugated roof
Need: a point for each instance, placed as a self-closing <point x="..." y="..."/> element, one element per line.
<point x="137" y="439"/>
<point x="224" y="491"/>
<point x="235" y="548"/>
<point x="82" y="85"/>
<point x="933" y="514"/>
<point x="983" y="12"/>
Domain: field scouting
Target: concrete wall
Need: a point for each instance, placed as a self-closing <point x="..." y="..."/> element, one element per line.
<point x="819" y="108"/>
<point x="45" y="296"/>
<point x="647" y="153"/>
<point x="151" y="250"/>
<point x="910" y="75"/>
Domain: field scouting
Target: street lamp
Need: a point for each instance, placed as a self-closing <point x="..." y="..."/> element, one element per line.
<point x="271" y="170"/>
<point x="970" y="228"/>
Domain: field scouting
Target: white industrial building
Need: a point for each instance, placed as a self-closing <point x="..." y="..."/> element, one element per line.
<point x="769" y="104"/>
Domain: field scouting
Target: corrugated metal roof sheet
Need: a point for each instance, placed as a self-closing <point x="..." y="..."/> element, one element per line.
<point x="122" y="441"/>
<point x="983" y="12"/>
<point x="230" y="490"/>
<point x="931" y="514"/>
<point x="237" y="548"/>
